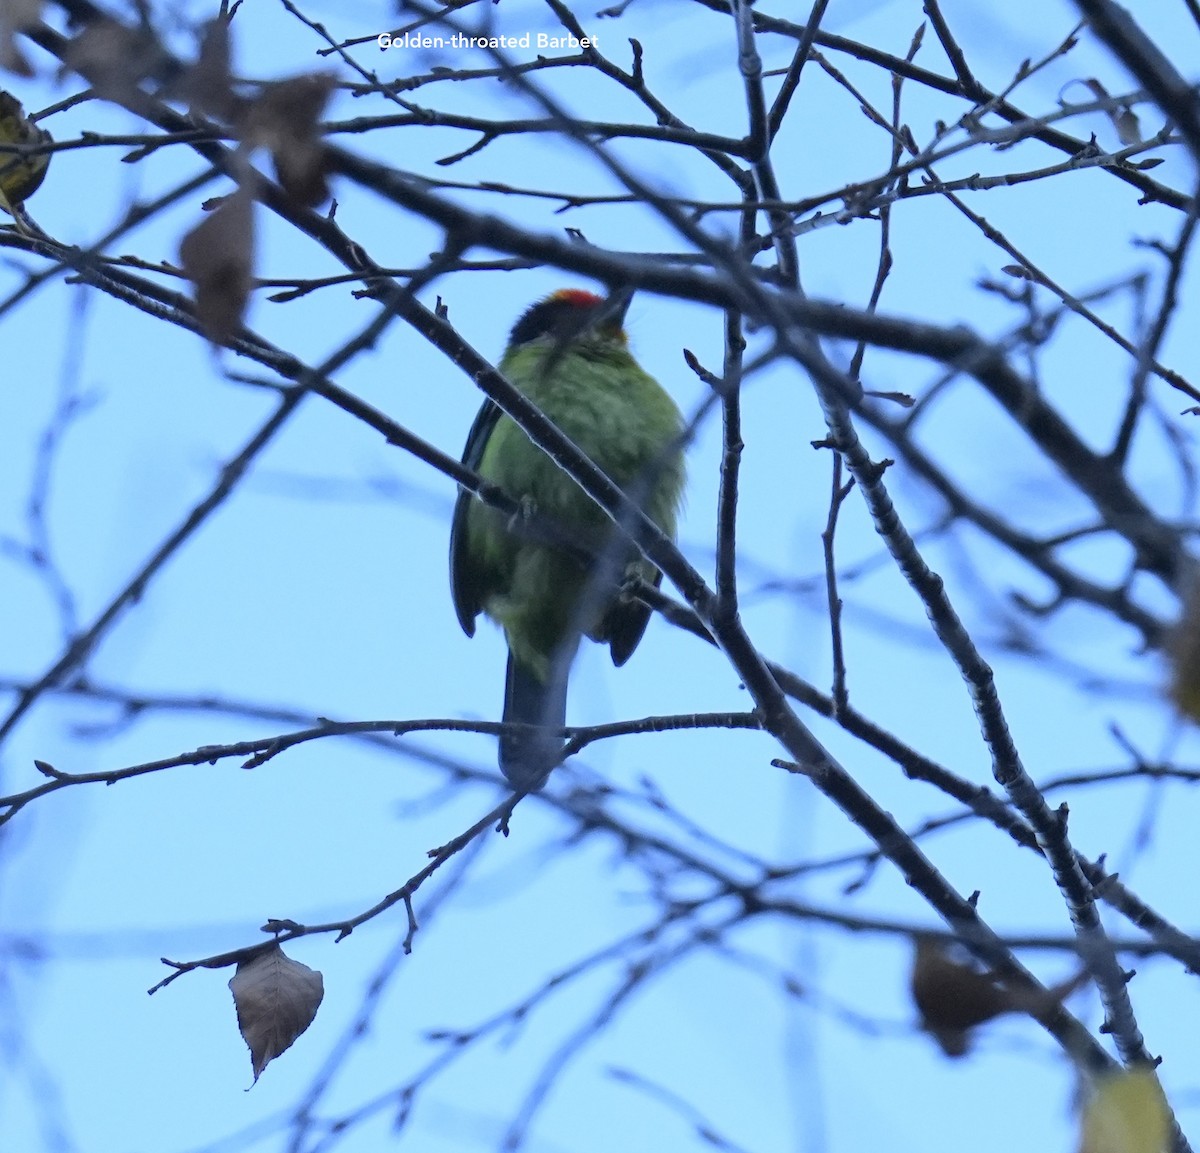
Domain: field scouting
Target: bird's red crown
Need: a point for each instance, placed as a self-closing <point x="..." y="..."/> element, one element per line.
<point x="564" y="315"/>
<point x="577" y="297"/>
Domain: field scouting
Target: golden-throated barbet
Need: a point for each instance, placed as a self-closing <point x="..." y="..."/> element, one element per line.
<point x="569" y="355"/>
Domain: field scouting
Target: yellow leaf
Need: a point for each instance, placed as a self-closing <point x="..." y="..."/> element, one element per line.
<point x="1183" y="653"/>
<point x="1128" y="1114"/>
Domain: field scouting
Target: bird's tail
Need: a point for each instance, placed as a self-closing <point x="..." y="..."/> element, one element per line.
<point x="527" y="755"/>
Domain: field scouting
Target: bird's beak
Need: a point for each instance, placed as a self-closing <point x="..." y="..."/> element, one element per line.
<point x="611" y="314"/>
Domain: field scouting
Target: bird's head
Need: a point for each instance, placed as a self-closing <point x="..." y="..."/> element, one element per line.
<point x="571" y="314"/>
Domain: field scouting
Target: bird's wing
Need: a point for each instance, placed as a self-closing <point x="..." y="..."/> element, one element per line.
<point x="466" y="580"/>
<point x="624" y="624"/>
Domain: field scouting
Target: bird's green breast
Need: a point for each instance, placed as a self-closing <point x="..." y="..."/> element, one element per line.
<point x="624" y="421"/>
<point x="615" y="412"/>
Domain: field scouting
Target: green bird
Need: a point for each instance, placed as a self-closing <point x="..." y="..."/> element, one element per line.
<point x="569" y="355"/>
<point x="21" y="174"/>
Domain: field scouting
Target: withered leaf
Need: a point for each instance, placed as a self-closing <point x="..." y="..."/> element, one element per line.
<point x="1129" y="129"/>
<point x="114" y="59"/>
<point x="1122" y="117"/>
<point x="953" y="997"/>
<point x="276" y="1000"/>
<point x="14" y="16"/>
<point x="285" y="119"/>
<point x="208" y="85"/>
<point x="218" y="258"/>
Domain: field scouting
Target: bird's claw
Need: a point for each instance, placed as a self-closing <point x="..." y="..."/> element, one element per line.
<point x="526" y="511"/>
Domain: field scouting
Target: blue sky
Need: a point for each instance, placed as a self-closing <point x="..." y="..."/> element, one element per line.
<point x="321" y="588"/>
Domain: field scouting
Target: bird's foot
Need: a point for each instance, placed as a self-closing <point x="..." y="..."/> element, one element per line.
<point x="526" y="511"/>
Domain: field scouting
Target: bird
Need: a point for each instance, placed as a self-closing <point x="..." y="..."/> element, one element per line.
<point x="568" y="353"/>
<point x="21" y="172"/>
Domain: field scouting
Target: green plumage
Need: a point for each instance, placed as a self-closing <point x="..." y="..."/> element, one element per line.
<point x="573" y="363"/>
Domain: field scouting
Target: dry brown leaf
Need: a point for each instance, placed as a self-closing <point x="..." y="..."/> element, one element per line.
<point x="1122" y="117"/>
<point x="953" y="997"/>
<point x="114" y="59"/>
<point x="276" y="1000"/>
<point x="218" y="258"/>
<point x="16" y="15"/>
<point x="1129" y="128"/>
<point x="285" y="119"/>
<point x="208" y="85"/>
